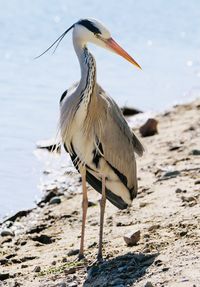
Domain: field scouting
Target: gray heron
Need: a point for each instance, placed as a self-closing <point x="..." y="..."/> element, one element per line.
<point x="94" y="131"/>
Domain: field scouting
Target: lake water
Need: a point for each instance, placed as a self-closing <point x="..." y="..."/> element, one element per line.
<point x="163" y="37"/>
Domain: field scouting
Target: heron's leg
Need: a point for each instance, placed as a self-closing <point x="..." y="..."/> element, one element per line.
<point x="102" y="211"/>
<point x="84" y="212"/>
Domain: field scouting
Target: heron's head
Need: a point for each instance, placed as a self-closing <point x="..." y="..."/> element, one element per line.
<point x="91" y="30"/>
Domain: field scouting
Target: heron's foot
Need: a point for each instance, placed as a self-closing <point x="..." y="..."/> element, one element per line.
<point x="80" y="257"/>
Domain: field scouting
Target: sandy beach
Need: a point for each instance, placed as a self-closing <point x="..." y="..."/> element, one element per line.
<point x="38" y="247"/>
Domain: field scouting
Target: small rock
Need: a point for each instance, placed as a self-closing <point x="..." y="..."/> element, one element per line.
<point x="195" y="152"/>
<point x="44" y="239"/>
<point x="37" y="269"/>
<point x="132" y="238"/>
<point x="171" y="174"/>
<point x="73" y="252"/>
<point x="64" y="259"/>
<point x="154" y="227"/>
<point x="130" y="111"/>
<point x="197" y="182"/>
<point x="143" y="204"/>
<point x="53" y="263"/>
<point x="183" y="233"/>
<point x="149" y="128"/>
<point x="24" y="266"/>
<point x="179" y="190"/>
<point x="165" y="269"/>
<point x="55" y="200"/>
<point x="7" y="232"/>
<point x="4" y="276"/>
<point x="148" y="284"/>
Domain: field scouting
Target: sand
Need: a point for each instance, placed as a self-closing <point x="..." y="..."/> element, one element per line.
<point x="41" y="248"/>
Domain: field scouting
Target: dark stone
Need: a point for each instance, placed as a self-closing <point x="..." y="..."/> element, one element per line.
<point x="37" y="269"/>
<point x="73" y="252"/>
<point x="4" y="276"/>
<point x="195" y="152"/>
<point x="132" y="238"/>
<point x="197" y="182"/>
<point x="130" y="111"/>
<point x="171" y="174"/>
<point x="44" y="239"/>
<point x="7" y="232"/>
<point x="55" y="200"/>
<point x="149" y="128"/>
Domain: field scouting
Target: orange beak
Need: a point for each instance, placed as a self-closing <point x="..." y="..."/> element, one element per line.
<point x="118" y="50"/>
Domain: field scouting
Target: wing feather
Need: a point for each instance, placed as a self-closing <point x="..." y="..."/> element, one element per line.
<point x="118" y="141"/>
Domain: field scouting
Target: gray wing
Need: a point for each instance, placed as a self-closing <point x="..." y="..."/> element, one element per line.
<point x="118" y="141"/>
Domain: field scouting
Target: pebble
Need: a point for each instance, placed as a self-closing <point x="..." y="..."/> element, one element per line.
<point x="132" y="238"/>
<point x="179" y="190"/>
<point x="171" y="174"/>
<point x="7" y="232"/>
<point x="195" y="152"/>
<point x="37" y="269"/>
<point x="154" y="227"/>
<point x="149" y="128"/>
<point x="44" y="239"/>
<point x="73" y="252"/>
<point x="148" y="284"/>
<point x="55" y="200"/>
<point x="4" y="276"/>
<point x="197" y="182"/>
<point x="183" y="233"/>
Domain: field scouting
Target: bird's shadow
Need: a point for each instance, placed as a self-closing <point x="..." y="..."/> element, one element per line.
<point x="121" y="271"/>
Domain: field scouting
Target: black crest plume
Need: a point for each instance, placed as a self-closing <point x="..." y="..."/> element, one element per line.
<point x="56" y="41"/>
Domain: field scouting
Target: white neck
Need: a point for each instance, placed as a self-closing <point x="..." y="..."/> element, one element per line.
<point x="87" y="64"/>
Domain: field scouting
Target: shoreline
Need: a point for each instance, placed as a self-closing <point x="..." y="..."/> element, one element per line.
<point x="166" y="212"/>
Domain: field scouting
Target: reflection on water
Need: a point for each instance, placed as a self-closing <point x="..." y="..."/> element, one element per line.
<point x="164" y="38"/>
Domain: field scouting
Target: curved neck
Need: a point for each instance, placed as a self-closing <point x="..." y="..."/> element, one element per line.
<point x="87" y="65"/>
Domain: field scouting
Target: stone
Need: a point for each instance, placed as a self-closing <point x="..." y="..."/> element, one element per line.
<point x="148" y="284"/>
<point x="195" y="152"/>
<point x="171" y="174"/>
<point x="44" y="239"/>
<point x="73" y="252"/>
<point x="37" y="269"/>
<point x="7" y="232"/>
<point x="4" y="276"/>
<point x="55" y="200"/>
<point x="149" y="128"/>
<point x="130" y="111"/>
<point x="132" y="238"/>
<point x="154" y="227"/>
